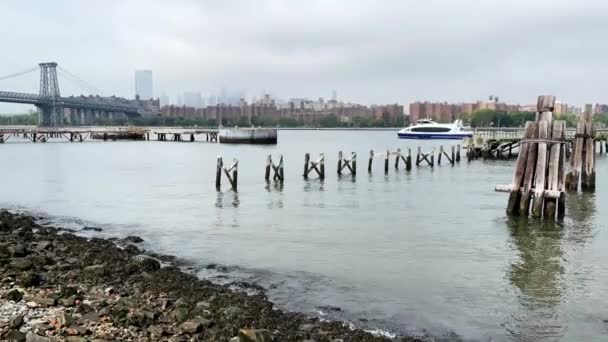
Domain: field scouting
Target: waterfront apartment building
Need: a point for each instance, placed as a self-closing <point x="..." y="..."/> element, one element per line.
<point x="446" y="112"/>
<point x="302" y="110"/>
<point x="143" y="84"/>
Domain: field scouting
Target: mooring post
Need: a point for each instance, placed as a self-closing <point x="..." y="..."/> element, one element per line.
<point x="408" y="160"/>
<point x="268" y="164"/>
<point x="192" y="137"/>
<point x="458" y="153"/>
<point x="322" y="166"/>
<point x="340" y="162"/>
<point x="80" y="137"/>
<point x="388" y="153"/>
<point x="453" y="156"/>
<point x="371" y="159"/>
<point x="306" y="162"/>
<point x="218" y="173"/>
<point x="439" y="156"/>
<point x="418" y="157"/>
<point x="432" y="158"/>
<point x="353" y="159"/>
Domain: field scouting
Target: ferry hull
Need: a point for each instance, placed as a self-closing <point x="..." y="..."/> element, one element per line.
<point x="433" y="136"/>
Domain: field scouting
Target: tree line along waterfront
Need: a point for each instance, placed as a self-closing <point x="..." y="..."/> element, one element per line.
<point x="480" y="118"/>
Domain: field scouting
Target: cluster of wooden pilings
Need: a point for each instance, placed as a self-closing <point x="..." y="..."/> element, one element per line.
<point x="210" y="136"/>
<point x="540" y="177"/>
<point x="276" y="172"/>
<point x="582" y="161"/>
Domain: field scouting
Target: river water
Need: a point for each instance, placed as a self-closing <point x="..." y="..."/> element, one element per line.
<point x="429" y="250"/>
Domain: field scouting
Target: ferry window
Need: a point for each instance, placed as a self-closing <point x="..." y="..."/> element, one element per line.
<point x="431" y="129"/>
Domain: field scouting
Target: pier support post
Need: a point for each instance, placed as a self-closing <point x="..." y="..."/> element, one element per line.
<point x="340" y="162"/>
<point x="408" y="160"/>
<point x="306" y="162"/>
<point x="218" y="173"/>
<point x="397" y="159"/>
<point x="458" y="153"/>
<point x="322" y="166"/>
<point x="439" y="156"/>
<point x="371" y="159"/>
<point x="353" y="159"/>
<point x="388" y="153"/>
<point x="453" y="159"/>
<point x="268" y="164"/>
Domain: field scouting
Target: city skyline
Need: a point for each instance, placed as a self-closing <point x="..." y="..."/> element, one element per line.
<point x="370" y="53"/>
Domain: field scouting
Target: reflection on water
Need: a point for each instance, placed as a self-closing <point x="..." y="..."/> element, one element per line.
<point x="230" y="198"/>
<point x="536" y="276"/>
<point x="538" y="272"/>
<point x="275" y="198"/>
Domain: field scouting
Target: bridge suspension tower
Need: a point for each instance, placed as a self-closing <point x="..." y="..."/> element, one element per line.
<point x="50" y="114"/>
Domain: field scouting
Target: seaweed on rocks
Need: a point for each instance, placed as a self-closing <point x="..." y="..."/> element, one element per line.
<point x="60" y="286"/>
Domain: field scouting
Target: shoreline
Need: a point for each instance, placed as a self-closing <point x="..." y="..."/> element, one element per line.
<point x="60" y="286"/>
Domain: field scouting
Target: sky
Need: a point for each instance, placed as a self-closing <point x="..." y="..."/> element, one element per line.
<point x="370" y="52"/>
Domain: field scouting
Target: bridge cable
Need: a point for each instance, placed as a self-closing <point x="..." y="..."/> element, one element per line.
<point x="79" y="81"/>
<point x="23" y="72"/>
<point x="81" y="84"/>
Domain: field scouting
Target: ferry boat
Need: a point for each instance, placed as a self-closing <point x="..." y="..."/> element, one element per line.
<point x="428" y="129"/>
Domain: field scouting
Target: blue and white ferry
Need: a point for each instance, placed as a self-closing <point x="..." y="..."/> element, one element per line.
<point x="428" y="129"/>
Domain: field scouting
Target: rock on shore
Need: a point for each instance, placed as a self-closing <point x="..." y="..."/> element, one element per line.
<point x="57" y="286"/>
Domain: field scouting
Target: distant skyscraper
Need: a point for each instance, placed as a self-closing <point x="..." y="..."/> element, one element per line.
<point x="179" y="100"/>
<point x="164" y="99"/>
<point x="143" y="84"/>
<point x="334" y="95"/>
<point x="193" y="99"/>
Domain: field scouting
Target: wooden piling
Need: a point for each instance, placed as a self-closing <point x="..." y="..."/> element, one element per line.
<point x="268" y="165"/>
<point x="386" y="156"/>
<point x="418" y="156"/>
<point x="340" y="162"/>
<point x="408" y="160"/>
<point x="218" y="173"/>
<point x="322" y="167"/>
<point x="524" y="205"/>
<point x="306" y="162"/>
<point x="458" y="153"/>
<point x="553" y="174"/>
<point x="281" y="170"/>
<point x="541" y="165"/>
<point x="518" y="176"/>
<point x="439" y="156"/>
<point x="397" y="159"/>
<point x="353" y="159"/>
<point x="371" y="159"/>
<point x="588" y="175"/>
<point x="453" y="159"/>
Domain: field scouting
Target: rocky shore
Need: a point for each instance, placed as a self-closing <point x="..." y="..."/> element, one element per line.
<point x="57" y="286"/>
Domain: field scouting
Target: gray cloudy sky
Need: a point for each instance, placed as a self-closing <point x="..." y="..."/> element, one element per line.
<point x="369" y="51"/>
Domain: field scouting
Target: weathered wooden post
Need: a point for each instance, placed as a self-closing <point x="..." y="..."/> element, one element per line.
<point x="388" y="153"/>
<point x="541" y="165"/>
<point x="281" y="170"/>
<point x="371" y="159"/>
<point x="218" y="173"/>
<point x="453" y="159"/>
<point x="408" y="160"/>
<point x="588" y="175"/>
<point x="353" y="159"/>
<point x="268" y="165"/>
<point x="397" y="158"/>
<point x="418" y="157"/>
<point x="192" y="137"/>
<point x="440" y="153"/>
<point x="432" y="158"/>
<point x="340" y="162"/>
<point x="322" y="166"/>
<point x="306" y="162"/>
<point x="235" y="175"/>
<point x="458" y="153"/>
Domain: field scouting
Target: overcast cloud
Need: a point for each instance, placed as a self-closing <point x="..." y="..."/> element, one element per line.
<point x="368" y="51"/>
